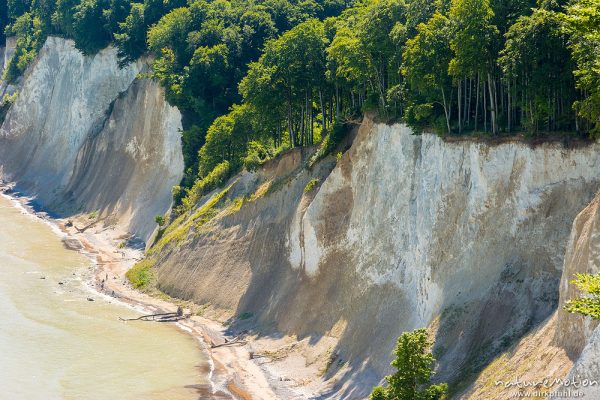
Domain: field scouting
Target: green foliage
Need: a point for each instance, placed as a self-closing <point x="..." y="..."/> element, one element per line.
<point x="535" y="52"/>
<point x="414" y="364"/>
<point x="427" y="57"/>
<point x="9" y="99"/>
<point x="188" y="221"/>
<point x="589" y="304"/>
<point x="226" y="140"/>
<point x="89" y="26"/>
<point x="378" y="394"/>
<point x="311" y="185"/>
<point x="472" y="37"/>
<point x="218" y="176"/>
<point x="330" y="143"/>
<point x="364" y="52"/>
<point x="289" y="73"/>
<point x="62" y="18"/>
<point x="256" y="156"/>
<point x="29" y="39"/>
<point x="141" y="275"/>
<point x="582" y="23"/>
<point x="160" y="220"/>
<point x="130" y="37"/>
<point x="171" y="32"/>
<point x="5" y="104"/>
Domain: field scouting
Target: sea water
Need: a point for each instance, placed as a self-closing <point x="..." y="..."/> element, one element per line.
<point x="56" y="344"/>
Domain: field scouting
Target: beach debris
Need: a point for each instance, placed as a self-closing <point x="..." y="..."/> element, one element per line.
<point x="236" y="340"/>
<point x="42" y="277"/>
<point x="72" y="244"/>
<point x="90" y="299"/>
<point x="161" y="317"/>
<point x="61" y="283"/>
<point x="86" y="227"/>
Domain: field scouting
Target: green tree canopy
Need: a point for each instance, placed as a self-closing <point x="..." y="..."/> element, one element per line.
<point x="426" y="60"/>
<point x="582" y="23"/>
<point x="414" y="363"/>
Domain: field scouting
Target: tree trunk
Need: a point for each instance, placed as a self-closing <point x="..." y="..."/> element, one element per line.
<point x="301" y="138"/>
<point x="291" y="126"/>
<point x="477" y="102"/>
<point x="446" y="111"/>
<point x="483" y="90"/>
<point x="337" y="102"/>
<point x="495" y="90"/>
<point x="465" y="96"/>
<point x="323" y="117"/>
<point x="492" y="106"/>
<point x="468" y="116"/>
<point x="459" y="103"/>
<point x="509" y="108"/>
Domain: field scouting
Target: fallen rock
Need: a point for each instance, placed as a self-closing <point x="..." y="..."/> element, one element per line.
<point x="72" y="244"/>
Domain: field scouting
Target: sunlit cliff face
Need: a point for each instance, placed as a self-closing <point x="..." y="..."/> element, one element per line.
<point x="85" y="135"/>
<point x="404" y="231"/>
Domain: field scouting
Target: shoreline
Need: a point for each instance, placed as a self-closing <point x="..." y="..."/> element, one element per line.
<point x="231" y="374"/>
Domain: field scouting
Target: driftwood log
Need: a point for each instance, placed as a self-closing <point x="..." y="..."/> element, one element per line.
<point x="86" y="227"/>
<point x="235" y="340"/>
<point x="161" y="317"/>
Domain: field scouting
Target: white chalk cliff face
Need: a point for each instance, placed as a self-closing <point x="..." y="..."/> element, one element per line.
<point x="443" y="221"/>
<point x="578" y="335"/>
<point x="85" y="135"/>
<point x="405" y="231"/>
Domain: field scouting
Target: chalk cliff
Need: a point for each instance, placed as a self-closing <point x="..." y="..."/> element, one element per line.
<point x="85" y="135"/>
<point x="403" y="231"/>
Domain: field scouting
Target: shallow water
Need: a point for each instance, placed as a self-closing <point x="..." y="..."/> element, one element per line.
<point x="55" y="344"/>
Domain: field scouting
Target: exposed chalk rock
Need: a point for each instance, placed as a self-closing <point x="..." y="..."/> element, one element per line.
<point x="405" y="231"/>
<point x="586" y="371"/>
<point x="6" y="53"/>
<point x="579" y="335"/>
<point x="82" y="136"/>
<point x="582" y="256"/>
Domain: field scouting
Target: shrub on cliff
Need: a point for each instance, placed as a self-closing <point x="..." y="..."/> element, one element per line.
<point x="256" y="155"/>
<point x="414" y="363"/>
<point x="212" y="180"/>
<point x="334" y="137"/>
<point x="140" y="275"/>
<point x="29" y="35"/>
<point x="589" y="304"/>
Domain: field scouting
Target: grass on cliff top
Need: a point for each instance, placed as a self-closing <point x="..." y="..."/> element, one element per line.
<point x="180" y="227"/>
